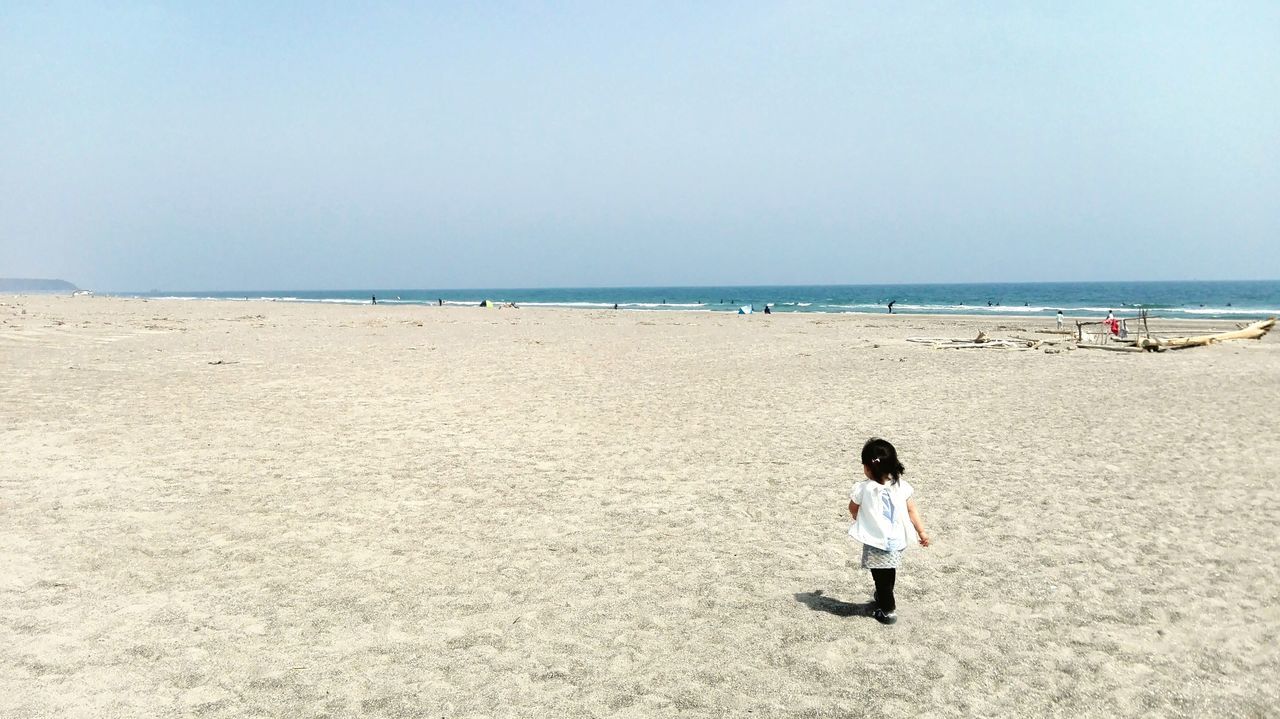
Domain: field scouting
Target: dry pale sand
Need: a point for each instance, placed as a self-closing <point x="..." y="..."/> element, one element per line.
<point x="414" y="511"/>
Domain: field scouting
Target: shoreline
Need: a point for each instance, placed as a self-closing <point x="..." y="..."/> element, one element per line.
<point x="964" y="317"/>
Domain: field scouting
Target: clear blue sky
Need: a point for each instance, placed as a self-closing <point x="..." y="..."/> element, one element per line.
<point x="313" y="145"/>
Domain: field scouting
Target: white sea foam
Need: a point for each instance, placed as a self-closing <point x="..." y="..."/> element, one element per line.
<point x="666" y="304"/>
<point x="569" y="304"/>
<point x="1230" y="311"/>
<point x="994" y="309"/>
<point x="318" y="300"/>
<point x="628" y="305"/>
<point x="838" y="307"/>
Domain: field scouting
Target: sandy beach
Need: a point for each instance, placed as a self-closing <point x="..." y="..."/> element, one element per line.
<point x="226" y="509"/>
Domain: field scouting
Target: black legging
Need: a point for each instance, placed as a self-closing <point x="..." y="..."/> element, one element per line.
<point x="884" y="588"/>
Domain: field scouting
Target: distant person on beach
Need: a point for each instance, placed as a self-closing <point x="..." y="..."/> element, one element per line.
<point x="440" y="302"/>
<point x="615" y="305"/>
<point x="891" y="304"/>
<point x="374" y="299"/>
<point x="881" y="506"/>
<point x="767" y="311"/>
<point x="1059" y="319"/>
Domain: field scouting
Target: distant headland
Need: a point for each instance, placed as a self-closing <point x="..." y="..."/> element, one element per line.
<point x="18" y="284"/>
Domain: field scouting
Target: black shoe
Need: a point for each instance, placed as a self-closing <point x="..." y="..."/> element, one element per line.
<point x="884" y="617"/>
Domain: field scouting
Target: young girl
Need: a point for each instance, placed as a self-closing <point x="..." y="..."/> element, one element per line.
<point x="877" y="505"/>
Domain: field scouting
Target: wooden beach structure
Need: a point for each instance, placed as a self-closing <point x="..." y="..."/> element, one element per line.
<point x="1099" y="331"/>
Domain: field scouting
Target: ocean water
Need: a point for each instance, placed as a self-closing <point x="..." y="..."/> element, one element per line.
<point x="1243" y="300"/>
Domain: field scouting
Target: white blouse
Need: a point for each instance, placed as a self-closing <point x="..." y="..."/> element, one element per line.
<point x="882" y="514"/>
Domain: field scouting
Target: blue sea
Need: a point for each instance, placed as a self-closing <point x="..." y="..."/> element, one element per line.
<point x="1207" y="300"/>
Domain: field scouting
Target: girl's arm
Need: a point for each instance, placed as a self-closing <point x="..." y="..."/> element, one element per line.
<point x="916" y="522"/>
<point x="853" y="510"/>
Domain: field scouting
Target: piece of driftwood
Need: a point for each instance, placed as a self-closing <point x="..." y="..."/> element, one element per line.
<point x="1111" y="348"/>
<point x="1255" y="331"/>
<point x="982" y="341"/>
<point x="994" y="344"/>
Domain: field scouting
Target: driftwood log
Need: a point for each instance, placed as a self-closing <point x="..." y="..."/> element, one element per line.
<point x="1255" y="331"/>
<point x="982" y="341"/>
<point x="1111" y="348"/>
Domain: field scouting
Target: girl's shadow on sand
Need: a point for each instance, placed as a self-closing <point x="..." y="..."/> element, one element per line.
<point x="816" y="601"/>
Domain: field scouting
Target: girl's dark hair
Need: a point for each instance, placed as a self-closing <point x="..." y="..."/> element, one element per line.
<point x="882" y="458"/>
